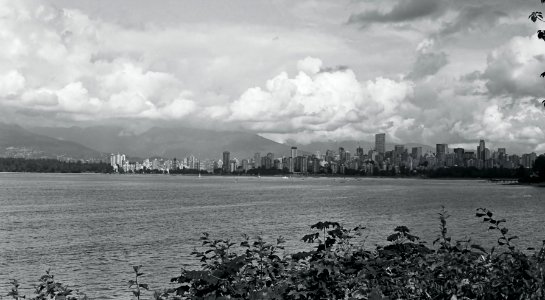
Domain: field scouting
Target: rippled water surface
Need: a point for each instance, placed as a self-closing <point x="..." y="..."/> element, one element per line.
<point x="90" y="229"/>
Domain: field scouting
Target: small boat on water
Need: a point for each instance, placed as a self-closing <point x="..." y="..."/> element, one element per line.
<point x="285" y="177"/>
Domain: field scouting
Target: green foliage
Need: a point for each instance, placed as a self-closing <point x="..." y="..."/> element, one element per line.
<point x="338" y="266"/>
<point x="538" y="16"/>
<point x="46" y="289"/>
<point x="135" y="285"/>
<point x="51" y="166"/>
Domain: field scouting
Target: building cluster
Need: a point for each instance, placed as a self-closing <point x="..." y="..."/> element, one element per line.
<point x="121" y="163"/>
<point x="342" y="161"/>
<point x="378" y="159"/>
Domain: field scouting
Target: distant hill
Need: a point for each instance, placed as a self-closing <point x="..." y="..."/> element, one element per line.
<point x="167" y="142"/>
<point x="16" y="141"/>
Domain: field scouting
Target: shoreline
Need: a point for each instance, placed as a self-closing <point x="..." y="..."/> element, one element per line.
<point x="291" y="176"/>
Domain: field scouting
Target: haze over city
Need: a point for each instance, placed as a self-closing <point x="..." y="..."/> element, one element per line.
<point x="424" y="71"/>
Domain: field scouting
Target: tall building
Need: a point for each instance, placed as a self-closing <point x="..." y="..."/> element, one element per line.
<point x="440" y="153"/>
<point x="416" y="152"/>
<point x="293" y="152"/>
<point x="359" y="152"/>
<point x="380" y="143"/>
<point x="257" y="160"/>
<point x="481" y="151"/>
<point x="226" y="162"/>
<point x="342" y="154"/>
<point x="459" y="156"/>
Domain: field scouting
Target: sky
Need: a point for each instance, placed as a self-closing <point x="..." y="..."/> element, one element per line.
<point x="424" y="71"/>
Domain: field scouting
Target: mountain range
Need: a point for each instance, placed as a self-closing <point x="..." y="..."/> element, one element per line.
<point x="98" y="142"/>
<point x="15" y="141"/>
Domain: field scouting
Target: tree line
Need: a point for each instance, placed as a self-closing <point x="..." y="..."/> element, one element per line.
<point x="51" y="166"/>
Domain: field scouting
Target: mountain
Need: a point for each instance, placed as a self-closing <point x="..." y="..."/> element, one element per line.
<point x="167" y="142"/>
<point x="16" y="141"/>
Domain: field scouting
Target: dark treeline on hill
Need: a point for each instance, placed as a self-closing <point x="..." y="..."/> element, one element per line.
<point x="51" y="166"/>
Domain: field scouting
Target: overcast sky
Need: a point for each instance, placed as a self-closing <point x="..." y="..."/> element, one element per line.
<point x="429" y="71"/>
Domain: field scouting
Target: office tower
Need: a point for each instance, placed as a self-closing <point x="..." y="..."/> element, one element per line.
<point x="226" y="162"/>
<point x="398" y="149"/>
<point x="459" y="156"/>
<point x="380" y="143"/>
<point x="440" y="153"/>
<point x="257" y="160"/>
<point x="416" y="152"/>
<point x="359" y="152"/>
<point x="481" y="151"/>
<point x="293" y="152"/>
<point x="342" y="154"/>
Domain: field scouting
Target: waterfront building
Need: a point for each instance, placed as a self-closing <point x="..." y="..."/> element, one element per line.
<point x="342" y="154"/>
<point x="440" y="154"/>
<point x="416" y="152"/>
<point x="257" y="160"/>
<point x="380" y="143"/>
<point x="459" y="156"/>
<point x="226" y="162"/>
<point x="359" y="152"/>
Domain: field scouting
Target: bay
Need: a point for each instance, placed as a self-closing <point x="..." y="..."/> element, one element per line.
<point x="89" y="229"/>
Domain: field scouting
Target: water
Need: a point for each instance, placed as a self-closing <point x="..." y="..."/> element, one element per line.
<point x="91" y="228"/>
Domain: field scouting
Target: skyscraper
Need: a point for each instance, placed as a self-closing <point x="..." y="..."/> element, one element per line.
<point x="417" y="152"/>
<point x="342" y="154"/>
<point x="440" y="153"/>
<point x="226" y="160"/>
<point x="380" y="143"/>
<point x="293" y="152"/>
<point x="257" y="160"/>
<point x="481" y="153"/>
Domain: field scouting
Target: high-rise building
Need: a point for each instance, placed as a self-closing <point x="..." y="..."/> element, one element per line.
<point x="226" y="162"/>
<point x="416" y="152"/>
<point x="293" y="152"/>
<point x="481" y="151"/>
<point x="257" y="160"/>
<point x="459" y="156"/>
<point x="380" y="143"/>
<point x="440" y="153"/>
<point x="342" y="154"/>
<point x="359" y="152"/>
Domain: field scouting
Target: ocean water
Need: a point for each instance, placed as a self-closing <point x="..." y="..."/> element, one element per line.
<point x="89" y="229"/>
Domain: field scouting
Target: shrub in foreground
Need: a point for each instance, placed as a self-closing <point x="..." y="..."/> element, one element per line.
<point x="340" y="267"/>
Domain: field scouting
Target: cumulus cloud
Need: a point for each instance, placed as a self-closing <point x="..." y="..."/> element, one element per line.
<point x="514" y="68"/>
<point x="332" y="102"/>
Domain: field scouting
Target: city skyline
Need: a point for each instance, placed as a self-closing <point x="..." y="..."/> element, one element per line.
<point x="367" y="162"/>
<point x="419" y="70"/>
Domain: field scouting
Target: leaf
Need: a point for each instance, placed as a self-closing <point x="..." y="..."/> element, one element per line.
<point x="136" y="268"/>
<point x="504" y="230"/>
<point x="478" y="247"/>
<point x="144" y="286"/>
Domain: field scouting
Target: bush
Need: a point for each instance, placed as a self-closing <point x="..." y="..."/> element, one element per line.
<point x="339" y="267"/>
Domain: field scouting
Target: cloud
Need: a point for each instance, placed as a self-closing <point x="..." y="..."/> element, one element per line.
<point x="471" y="17"/>
<point x="11" y="83"/>
<point x="403" y="11"/>
<point x="327" y="102"/>
<point x="513" y="69"/>
<point x="428" y="62"/>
